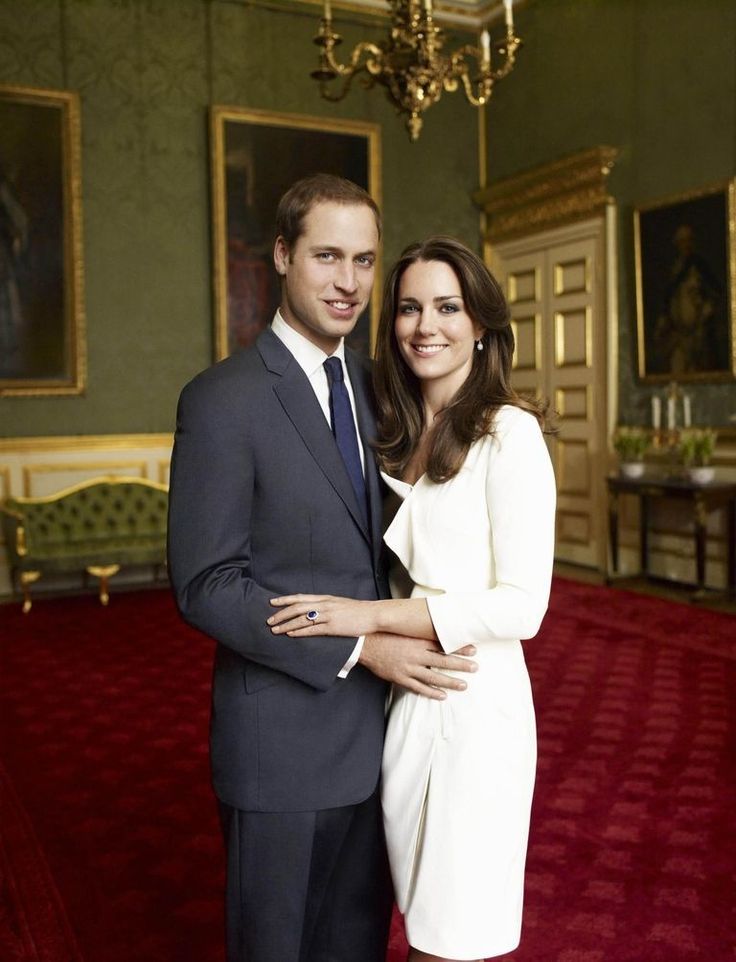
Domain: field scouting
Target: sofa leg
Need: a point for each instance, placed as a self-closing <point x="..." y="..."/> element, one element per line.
<point x="27" y="578"/>
<point x="104" y="573"/>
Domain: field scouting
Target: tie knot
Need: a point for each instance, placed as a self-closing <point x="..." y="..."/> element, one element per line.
<point x="333" y="366"/>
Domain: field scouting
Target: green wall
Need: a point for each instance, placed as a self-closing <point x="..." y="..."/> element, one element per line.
<point x="146" y="72"/>
<point x="657" y="80"/>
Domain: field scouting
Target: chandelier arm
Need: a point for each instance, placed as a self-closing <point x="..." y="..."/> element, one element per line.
<point x="372" y="64"/>
<point x="458" y="61"/>
<point x="507" y="49"/>
<point x="484" y="88"/>
<point x="330" y="95"/>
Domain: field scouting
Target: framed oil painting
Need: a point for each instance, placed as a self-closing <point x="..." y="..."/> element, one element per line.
<point x="256" y="156"/>
<point x="686" y="286"/>
<point x="42" y="342"/>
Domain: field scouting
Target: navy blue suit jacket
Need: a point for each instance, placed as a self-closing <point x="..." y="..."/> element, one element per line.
<point x="261" y="505"/>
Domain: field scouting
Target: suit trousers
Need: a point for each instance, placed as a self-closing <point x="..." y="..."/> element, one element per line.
<point x="307" y="886"/>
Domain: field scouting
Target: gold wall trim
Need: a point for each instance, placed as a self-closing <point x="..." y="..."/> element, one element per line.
<point x="74" y="380"/>
<point x="92" y="482"/>
<point x="85" y="442"/>
<point x="223" y="114"/>
<point x="572" y="188"/>
<point x="36" y="471"/>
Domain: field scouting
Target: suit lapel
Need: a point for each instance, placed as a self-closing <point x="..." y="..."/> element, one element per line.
<point x="298" y="400"/>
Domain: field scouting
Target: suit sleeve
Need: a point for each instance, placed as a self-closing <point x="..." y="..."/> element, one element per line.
<point x="520" y="499"/>
<point x="213" y="475"/>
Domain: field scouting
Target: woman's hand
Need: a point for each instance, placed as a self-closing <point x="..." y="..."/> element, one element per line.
<point x="304" y="615"/>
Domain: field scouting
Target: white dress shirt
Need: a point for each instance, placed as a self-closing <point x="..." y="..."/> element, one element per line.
<point x="311" y="359"/>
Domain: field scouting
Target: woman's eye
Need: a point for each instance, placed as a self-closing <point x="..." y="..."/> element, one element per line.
<point x="449" y="308"/>
<point x="407" y="308"/>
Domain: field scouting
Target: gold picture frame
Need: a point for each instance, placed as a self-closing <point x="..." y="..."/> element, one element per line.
<point x="685" y="249"/>
<point x="255" y="156"/>
<point x="42" y="320"/>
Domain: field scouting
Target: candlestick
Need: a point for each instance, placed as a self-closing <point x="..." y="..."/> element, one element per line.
<point x="656" y="413"/>
<point x="509" y="15"/>
<point x="485" y="48"/>
<point x="686" y="410"/>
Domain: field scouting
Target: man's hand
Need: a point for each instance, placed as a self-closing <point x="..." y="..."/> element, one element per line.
<point x="416" y="664"/>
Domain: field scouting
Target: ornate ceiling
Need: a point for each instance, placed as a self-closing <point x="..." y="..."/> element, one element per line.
<point x="471" y="14"/>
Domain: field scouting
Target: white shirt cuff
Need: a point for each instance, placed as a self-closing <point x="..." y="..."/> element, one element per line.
<point x="353" y="659"/>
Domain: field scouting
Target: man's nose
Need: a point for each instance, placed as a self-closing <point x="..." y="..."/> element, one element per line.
<point x="346" y="279"/>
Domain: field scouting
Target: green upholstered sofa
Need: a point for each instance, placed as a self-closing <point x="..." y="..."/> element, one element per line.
<point x="95" y="527"/>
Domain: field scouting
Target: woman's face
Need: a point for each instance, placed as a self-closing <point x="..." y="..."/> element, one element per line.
<point x="435" y="334"/>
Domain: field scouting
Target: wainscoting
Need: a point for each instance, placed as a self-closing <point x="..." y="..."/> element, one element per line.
<point x="45" y="465"/>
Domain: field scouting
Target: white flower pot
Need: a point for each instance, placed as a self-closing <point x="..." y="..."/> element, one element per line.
<point x="632" y="469"/>
<point x="702" y="474"/>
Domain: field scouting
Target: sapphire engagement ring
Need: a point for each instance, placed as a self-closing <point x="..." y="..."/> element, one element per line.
<point x="313" y="615"/>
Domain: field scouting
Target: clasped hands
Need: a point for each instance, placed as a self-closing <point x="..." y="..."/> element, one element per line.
<point x="416" y="663"/>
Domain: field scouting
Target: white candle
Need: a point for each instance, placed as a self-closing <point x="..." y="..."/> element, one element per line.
<point x="656" y="413"/>
<point x="686" y="410"/>
<point x="670" y="414"/>
<point x="328" y="11"/>
<point x="509" y="15"/>
<point x="485" y="48"/>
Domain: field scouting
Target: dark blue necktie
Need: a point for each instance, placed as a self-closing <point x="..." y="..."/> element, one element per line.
<point x="343" y="427"/>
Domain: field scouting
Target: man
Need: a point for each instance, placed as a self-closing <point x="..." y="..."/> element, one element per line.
<point x="271" y="493"/>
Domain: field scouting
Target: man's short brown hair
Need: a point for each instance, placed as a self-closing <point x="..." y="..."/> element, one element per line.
<point x="302" y="196"/>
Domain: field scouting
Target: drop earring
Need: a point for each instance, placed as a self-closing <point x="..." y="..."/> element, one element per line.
<point x="479" y="345"/>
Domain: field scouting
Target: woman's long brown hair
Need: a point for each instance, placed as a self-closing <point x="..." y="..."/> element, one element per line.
<point x="488" y="386"/>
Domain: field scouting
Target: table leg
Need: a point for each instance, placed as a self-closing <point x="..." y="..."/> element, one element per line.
<point x="613" y="529"/>
<point x="644" y="535"/>
<point x="731" y="529"/>
<point x="701" y="518"/>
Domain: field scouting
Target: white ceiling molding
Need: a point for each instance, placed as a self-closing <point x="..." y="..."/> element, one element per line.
<point x="468" y="14"/>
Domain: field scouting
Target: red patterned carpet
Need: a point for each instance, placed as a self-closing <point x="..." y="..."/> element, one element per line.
<point x="109" y="845"/>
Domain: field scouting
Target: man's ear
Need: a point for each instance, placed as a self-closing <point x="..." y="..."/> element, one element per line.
<point x="280" y="255"/>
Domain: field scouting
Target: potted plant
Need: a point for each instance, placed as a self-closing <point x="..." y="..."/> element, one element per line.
<point x="630" y="444"/>
<point x="696" y="446"/>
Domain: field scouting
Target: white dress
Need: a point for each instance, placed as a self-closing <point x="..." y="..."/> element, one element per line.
<point x="458" y="775"/>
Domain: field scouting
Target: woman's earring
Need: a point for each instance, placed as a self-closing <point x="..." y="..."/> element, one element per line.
<point x="479" y="345"/>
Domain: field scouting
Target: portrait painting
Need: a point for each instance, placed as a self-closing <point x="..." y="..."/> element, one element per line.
<point x="686" y="287"/>
<point x="42" y="347"/>
<point x="256" y="156"/>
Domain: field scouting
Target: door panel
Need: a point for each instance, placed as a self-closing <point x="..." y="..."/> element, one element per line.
<point x="555" y="285"/>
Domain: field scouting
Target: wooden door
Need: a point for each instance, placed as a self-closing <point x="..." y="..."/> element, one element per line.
<point x="556" y="286"/>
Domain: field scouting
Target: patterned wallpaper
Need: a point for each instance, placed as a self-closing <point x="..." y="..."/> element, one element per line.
<point x="146" y="72"/>
<point x="624" y="73"/>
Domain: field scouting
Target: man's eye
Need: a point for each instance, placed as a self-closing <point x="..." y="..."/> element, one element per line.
<point x="364" y="261"/>
<point x="326" y="255"/>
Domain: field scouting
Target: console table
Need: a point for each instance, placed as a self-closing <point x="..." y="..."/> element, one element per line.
<point x="704" y="498"/>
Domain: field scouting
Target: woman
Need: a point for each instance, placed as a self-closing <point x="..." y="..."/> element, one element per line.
<point x="475" y="534"/>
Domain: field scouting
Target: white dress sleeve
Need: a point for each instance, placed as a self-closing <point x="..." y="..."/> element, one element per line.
<point x="520" y="497"/>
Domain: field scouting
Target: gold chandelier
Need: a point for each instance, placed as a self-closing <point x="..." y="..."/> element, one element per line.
<point x="410" y="64"/>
